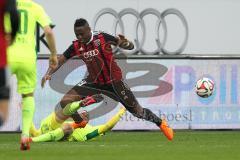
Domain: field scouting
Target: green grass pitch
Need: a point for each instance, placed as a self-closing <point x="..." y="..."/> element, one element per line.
<point x="187" y="145"/>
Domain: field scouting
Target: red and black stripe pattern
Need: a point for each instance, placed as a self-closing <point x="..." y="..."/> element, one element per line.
<point x="98" y="57"/>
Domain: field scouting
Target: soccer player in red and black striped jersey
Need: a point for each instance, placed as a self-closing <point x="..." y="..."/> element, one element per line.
<point x="105" y="76"/>
<point x="7" y="7"/>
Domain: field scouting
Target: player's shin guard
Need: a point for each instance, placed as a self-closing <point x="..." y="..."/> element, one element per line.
<point x="54" y="135"/>
<point x="28" y="107"/>
<point x="71" y="108"/>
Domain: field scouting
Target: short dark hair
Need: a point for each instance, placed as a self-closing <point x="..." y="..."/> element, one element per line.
<point x="80" y="22"/>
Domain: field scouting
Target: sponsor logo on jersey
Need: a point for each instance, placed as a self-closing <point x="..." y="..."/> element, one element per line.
<point x="90" y="54"/>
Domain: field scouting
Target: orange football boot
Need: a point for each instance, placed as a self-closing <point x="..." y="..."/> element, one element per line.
<point x="167" y="131"/>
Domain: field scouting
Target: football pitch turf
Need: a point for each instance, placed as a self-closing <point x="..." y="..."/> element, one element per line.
<point x="187" y="145"/>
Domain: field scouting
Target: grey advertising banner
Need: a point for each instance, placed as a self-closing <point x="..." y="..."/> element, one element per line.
<point x="164" y="86"/>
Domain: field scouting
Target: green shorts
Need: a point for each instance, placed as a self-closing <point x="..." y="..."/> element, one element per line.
<point x="26" y="74"/>
<point x="46" y="124"/>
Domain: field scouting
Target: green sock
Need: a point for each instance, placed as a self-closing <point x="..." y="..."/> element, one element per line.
<point x="54" y="135"/>
<point x="71" y="108"/>
<point x="93" y="134"/>
<point x="28" y="108"/>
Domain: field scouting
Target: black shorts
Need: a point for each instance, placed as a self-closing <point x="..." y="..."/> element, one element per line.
<point x="4" y="87"/>
<point x="119" y="91"/>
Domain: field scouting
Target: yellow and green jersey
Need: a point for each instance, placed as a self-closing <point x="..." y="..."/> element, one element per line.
<point x="81" y="134"/>
<point x="24" y="47"/>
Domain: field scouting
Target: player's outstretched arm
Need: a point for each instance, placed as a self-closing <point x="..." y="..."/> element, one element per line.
<point x="53" y="61"/>
<point x="124" y="43"/>
<point x="50" y="71"/>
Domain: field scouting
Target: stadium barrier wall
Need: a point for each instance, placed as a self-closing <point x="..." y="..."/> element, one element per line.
<point x="164" y="84"/>
<point x="213" y="26"/>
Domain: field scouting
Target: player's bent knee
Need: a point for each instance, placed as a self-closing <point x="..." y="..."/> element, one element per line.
<point x="69" y="99"/>
<point x="65" y="101"/>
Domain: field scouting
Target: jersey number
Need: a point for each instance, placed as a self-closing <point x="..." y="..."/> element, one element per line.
<point x="23" y="28"/>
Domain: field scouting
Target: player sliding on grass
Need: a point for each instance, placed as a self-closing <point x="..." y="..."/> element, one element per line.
<point x="67" y="132"/>
<point x="59" y="116"/>
<point x="105" y="76"/>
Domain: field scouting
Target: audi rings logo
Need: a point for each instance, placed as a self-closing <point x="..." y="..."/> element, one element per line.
<point x="140" y="23"/>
